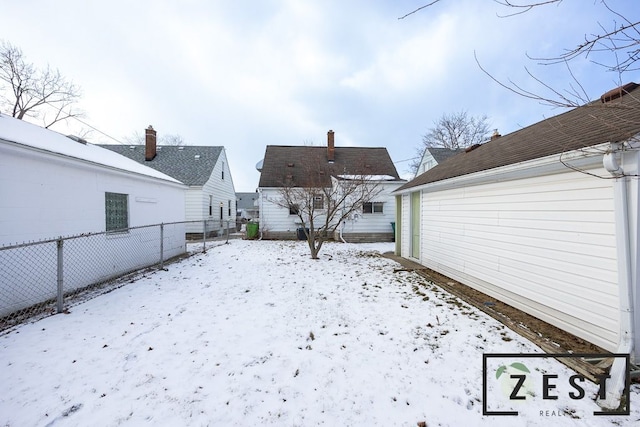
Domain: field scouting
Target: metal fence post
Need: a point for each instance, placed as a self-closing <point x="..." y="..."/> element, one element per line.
<point x="204" y="236"/>
<point x="60" y="298"/>
<point x="162" y="245"/>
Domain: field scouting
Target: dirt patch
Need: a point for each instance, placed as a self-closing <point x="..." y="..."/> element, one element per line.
<point x="548" y="337"/>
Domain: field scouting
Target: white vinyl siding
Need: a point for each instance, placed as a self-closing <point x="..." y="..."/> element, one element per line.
<point x="406" y="225"/>
<point x="273" y="217"/>
<point x="214" y="191"/>
<point x="378" y="222"/>
<point x="545" y="245"/>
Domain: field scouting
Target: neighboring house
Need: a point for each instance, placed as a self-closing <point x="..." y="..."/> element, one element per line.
<point x="52" y="185"/>
<point x="285" y="164"/>
<point x="544" y="219"/>
<point x="433" y="156"/>
<point x="247" y="205"/>
<point x="205" y="169"/>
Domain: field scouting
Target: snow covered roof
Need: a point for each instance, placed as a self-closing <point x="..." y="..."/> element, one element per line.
<point x="30" y="135"/>
<point x="369" y="177"/>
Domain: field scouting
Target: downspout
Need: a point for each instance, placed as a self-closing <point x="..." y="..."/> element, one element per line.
<point x="617" y="382"/>
<point x="342" y="228"/>
<point x="261" y="213"/>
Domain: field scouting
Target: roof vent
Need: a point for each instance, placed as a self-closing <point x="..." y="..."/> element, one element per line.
<point x="618" y="92"/>
<point x="77" y="139"/>
<point x="180" y="147"/>
<point x="471" y="148"/>
<point x="197" y="156"/>
<point x="132" y="147"/>
<point x="290" y="165"/>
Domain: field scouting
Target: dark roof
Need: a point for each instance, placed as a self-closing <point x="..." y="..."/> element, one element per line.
<point x="284" y="163"/>
<point x="441" y="154"/>
<point x="592" y="124"/>
<point x="179" y="162"/>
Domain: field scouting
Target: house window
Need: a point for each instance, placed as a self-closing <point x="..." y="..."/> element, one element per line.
<point x="221" y="211"/>
<point x="229" y="207"/>
<point x="318" y="201"/>
<point x="294" y="209"/>
<point x="210" y="205"/>
<point x="223" y="171"/>
<point x="116" y="209"/>
<point x="372" y="207"/>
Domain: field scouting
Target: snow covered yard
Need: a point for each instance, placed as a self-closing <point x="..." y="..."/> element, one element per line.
<point x="255" y="332"/>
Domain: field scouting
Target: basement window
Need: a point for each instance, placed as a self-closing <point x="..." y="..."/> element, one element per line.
<point x="294" y="209"/>
<point x="372" y="207"/>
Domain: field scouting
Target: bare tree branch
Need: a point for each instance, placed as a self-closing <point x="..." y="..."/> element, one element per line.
<point x="452" y="131"/>
<point x="419" y="9"/>
<point x="326" y="198"/>
<point x="28" y="91"/>
<point x="616" y="48"/>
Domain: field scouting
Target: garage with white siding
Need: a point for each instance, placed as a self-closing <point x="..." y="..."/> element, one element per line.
<point x="540" y="220"/>
<point x="545" y="245"/>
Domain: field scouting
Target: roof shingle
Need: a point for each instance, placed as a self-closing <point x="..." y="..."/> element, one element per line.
<point x="592" y="124"/>
<point x="180" y="162"/>
<point x="285" y="163"/>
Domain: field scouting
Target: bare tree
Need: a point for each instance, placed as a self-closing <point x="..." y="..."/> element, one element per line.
<point x="326" y="198"/>
<point x="616" y="48"/>
<point x="452" y="131"/>
<point x="26" y="91"/>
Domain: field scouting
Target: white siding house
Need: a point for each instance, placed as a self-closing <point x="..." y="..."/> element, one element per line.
<point x="371" y="222"/>
<point x="544" y="219"/>
<point x="204" y="169"/>
<point x="52" y="186"/>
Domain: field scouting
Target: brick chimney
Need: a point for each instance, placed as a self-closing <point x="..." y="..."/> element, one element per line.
<point x="150" y="143"/>
<point x="331" y="147"/>
<point x="495" y="135"/>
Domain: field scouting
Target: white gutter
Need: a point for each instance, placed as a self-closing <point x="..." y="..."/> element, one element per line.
<point x="617" y="381"/>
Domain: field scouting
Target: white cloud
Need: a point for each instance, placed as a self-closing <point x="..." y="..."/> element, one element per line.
<point x="245" y="74"/>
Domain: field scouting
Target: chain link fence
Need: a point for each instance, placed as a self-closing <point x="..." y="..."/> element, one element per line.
<point x="48" y="276"/>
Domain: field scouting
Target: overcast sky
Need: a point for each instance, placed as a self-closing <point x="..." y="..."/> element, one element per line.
<point x="245" y="74"/>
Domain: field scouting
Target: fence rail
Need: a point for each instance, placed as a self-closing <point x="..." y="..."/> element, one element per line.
<point x="47" y="276"/>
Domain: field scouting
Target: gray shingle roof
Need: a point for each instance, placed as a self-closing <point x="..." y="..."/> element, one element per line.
<point x="179" y="162"/>
<point x="442" y="154"/>
<point x="285" y="163"/>
<point x="589" y="125"/>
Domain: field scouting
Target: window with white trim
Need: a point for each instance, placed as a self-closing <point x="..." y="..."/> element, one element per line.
<point x="372" y="207"/>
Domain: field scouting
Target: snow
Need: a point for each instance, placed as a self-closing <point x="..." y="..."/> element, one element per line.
<point x="257" y="333"/>
<point x="368" y="177"/>
<point x="30" y="135"/>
